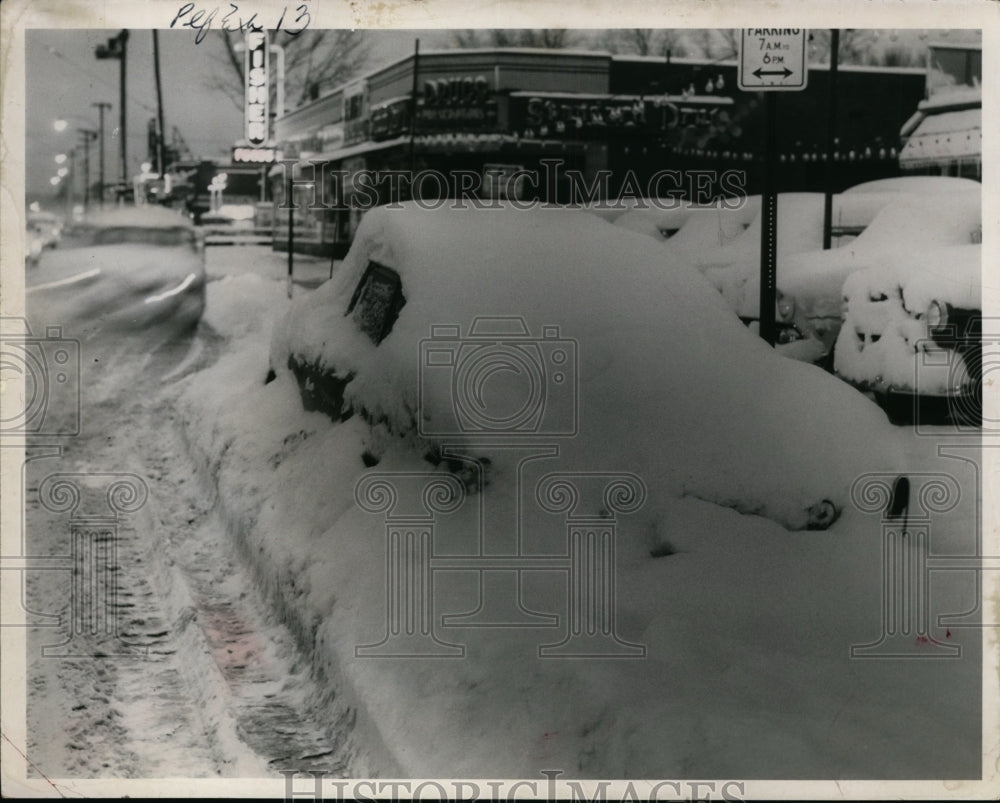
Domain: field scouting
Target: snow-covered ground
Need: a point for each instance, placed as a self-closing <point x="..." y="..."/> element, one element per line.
<point x="747" y="627"/>
<point x="266" y="576"/>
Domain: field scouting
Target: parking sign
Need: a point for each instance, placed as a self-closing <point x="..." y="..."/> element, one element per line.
<point x="773" y="59"/>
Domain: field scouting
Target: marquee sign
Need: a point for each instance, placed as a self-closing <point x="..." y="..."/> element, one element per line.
<point x="255" y="71"/>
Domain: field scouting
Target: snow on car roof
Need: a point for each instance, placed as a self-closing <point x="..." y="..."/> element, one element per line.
<point x="923" y="185"/>
<point x="670" y="385"/>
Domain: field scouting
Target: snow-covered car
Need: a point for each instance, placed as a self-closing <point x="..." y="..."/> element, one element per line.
<point x="476" y="326"/>
<point x="885" y="221"/>
<point x="912" y="334"/>
<point x="122" y="269"/>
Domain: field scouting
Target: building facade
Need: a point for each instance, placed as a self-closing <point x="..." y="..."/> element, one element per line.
<point x="568" y="126"/>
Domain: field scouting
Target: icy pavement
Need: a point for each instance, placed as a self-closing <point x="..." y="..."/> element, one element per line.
<point x="208" y="682"/>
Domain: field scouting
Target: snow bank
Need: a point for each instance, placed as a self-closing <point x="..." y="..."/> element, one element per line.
<point x="748" y="672"/>
<point x="665" y="369"/>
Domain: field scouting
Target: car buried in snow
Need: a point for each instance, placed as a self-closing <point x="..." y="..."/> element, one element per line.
<point x="486" y="327"/>
<point x="868" y="221"/>
<point x="125" y="269"/>
<point x="912" y="335"/>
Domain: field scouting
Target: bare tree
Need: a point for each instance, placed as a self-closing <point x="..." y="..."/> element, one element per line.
<point x="313" y="60"/>
<point x="551" y="38"/>
<point x="646" y="41"/>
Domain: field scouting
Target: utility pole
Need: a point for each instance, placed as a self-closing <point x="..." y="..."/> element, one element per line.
<point x="117" y="48"/>
<point x="88" y="136"/>
<point x="161" y="168"/>
<point x="101" y="106"/>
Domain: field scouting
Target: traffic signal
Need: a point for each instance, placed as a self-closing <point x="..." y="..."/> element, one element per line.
<point x="115" y="47"/>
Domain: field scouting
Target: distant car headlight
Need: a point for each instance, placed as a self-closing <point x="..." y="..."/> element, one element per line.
<point x="936" y="315"/>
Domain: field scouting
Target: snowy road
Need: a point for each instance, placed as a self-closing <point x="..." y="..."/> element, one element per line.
<point x="211" y="686"/>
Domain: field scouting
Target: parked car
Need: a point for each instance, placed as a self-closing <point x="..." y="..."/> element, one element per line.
<point x="122" y="269"/>
<point x="878" y="223"/>
<point x="463" y="326"/>
<point x="912" y="334"/>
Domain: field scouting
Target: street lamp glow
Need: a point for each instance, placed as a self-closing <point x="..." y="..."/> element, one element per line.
<point x="146" y="167"/>
<point x="60" y="125"/>
<point x="60" y="158"/>
<point x="54" y="181"/>
<point x="62" y="171"/>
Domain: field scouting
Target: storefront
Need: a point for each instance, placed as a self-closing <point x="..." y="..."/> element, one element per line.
<point x="559" y="126"/>
<point x="945" y="136"/>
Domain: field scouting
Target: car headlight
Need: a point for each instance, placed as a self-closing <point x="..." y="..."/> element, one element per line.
<point x="788" y="334"/>
<point x="936" y="315"/>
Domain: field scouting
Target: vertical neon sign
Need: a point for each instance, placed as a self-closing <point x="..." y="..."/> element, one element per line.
<point x="255" y="70"/>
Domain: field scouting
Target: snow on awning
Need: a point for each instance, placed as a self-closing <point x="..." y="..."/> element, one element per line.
<point x="943" y="138"/>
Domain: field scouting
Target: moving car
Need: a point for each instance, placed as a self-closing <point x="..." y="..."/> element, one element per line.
<point x="482" y="327"/>
<point x="119" y="270"/>
<point x="48" y="225"/>
<point x="912" y="335"/>
<point x="34" y="244"/>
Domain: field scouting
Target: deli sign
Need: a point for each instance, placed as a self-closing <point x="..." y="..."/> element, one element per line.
<point x="255" y="71"/>
<point x="461" y="102"/>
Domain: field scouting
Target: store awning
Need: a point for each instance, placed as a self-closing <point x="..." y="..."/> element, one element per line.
<point x="346" y="153"/>
<point x="945" y="138"/>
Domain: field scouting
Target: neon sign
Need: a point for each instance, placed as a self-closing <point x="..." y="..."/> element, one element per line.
<point x="255" y="70"/>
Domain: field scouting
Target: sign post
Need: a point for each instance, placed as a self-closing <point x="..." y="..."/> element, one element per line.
<point x="771" y="60"/>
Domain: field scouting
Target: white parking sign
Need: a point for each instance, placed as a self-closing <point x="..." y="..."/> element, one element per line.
<point x="773" y="59"/>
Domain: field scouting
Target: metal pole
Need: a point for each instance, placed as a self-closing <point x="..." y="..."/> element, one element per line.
<point x="161" y="168"/>
<point x="831" y="141"/>
<point x="413" y="107"/>
<point x="122" y="116"/>
<point x="86" y="171"/>
<point x="70" y="178"/>
<point x="291" y="232"/>
<point x="101" y="106"/>
<point x="769" y="224"/>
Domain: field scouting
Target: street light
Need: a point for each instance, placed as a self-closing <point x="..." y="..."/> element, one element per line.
<point x="60" y="158"/>
<point x="60" y="125"/>
<point x="54" y="181"/>
<point x="62" y="171"/>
